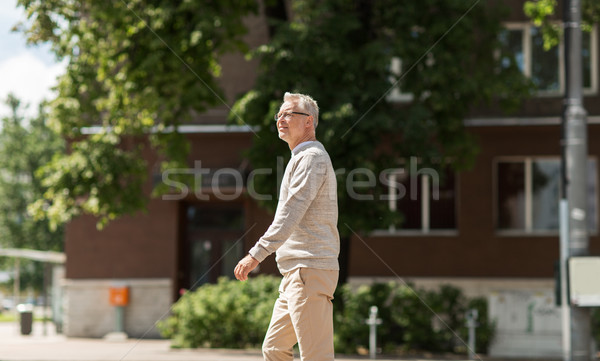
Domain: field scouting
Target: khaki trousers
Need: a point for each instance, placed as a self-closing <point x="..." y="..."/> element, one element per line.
<point x="302" y="314"/>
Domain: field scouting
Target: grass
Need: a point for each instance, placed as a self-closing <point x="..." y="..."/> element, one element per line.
<point x="8" y="316"/>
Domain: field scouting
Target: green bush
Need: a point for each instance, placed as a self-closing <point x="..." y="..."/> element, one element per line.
<point x="596" y="324"/>
<point x="412" y="319"/>
<point x="431" y="318"/>
<point x="486" y="328"/>
<point x="352" y="308"/>
<point x="233" y="314"/>
<point x="229" y="314"/>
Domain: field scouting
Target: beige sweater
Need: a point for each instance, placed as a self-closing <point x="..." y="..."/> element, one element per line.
<point x="304" y="231"/>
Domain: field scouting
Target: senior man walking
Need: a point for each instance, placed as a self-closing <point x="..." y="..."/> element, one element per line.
<point x="305" y="238"/>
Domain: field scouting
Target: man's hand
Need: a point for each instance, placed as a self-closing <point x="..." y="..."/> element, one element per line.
<point x="245" y="266"/>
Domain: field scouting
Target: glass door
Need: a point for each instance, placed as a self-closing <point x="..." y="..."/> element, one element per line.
<point x="212" y="243"/>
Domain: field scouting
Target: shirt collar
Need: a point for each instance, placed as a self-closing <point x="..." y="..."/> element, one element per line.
<point x="299" y="147"/>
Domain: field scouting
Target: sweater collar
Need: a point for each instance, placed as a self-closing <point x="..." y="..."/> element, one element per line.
<point x="301" y="146"/>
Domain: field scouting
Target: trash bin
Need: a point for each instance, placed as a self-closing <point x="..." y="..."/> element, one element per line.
<point x="26" y="318"/>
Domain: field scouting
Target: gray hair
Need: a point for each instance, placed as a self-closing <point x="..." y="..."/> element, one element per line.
<point x="306" y="103"/>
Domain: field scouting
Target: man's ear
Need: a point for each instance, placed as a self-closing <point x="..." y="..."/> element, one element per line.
<point x="309" y="121"/>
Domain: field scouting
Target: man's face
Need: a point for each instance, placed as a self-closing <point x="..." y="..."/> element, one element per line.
<point x="291" y="127"/>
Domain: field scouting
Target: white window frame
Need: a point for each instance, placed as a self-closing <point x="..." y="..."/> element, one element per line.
<point x="425" y="198"/>
<point x="528" y="230"/>
<point x="527" y="62"/>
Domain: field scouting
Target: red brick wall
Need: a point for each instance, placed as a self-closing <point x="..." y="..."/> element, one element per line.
<point x="476" y="251"/>
<point x="140" y="246"/>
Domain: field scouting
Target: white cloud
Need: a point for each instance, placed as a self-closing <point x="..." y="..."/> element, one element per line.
<point x="11" y="11"/>
<point x="29" y="78"/>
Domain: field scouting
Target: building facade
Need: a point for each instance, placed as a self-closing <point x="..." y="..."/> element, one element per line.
<point x="491" y="230"/>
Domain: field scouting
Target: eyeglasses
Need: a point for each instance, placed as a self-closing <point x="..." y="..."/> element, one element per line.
<point x="288" y="115"/>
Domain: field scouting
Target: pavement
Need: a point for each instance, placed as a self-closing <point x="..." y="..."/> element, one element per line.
<point x="44" y="344"/>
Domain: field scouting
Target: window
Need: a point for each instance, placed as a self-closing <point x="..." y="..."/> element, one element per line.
<point x="546" y="68"/>
<point x="527" y="195"/>
<point x="425" y="199"/>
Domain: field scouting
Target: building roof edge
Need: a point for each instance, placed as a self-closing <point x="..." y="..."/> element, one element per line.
<point x="189" y="129"/>
<point x="521" y="121"/>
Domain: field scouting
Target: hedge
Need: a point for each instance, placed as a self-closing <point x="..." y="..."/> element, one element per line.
<point x="229" y="314"/>
<point x="233" y="314"/>
<point x="413" y="319"/>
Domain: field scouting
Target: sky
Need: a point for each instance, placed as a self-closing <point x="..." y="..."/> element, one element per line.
<point x="27" y="71"/>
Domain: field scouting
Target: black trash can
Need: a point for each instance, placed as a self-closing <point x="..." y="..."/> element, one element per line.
<point x="26" y="318"/>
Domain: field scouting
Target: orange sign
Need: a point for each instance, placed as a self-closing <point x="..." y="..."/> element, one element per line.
<point x="118" y="296"/>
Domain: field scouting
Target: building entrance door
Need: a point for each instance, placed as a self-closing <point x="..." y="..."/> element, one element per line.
<point x="212" y="243"/>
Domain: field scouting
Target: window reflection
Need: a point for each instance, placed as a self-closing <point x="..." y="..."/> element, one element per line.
<point x="528" y="192"/>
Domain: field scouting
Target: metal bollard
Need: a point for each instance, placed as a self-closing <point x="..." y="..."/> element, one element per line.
<point x="373" y="322"/>
<point x="472" y="324"/>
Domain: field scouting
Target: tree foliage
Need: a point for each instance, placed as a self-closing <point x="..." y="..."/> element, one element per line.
<point x="25" y="145"/>
<point x="543" y="13"/>
<point x="340" y="51"/>
<point x="135" y="69"/>
<point x="144" y="67"/>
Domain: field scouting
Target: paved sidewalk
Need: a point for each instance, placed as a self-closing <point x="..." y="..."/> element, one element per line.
<point x="54" y="347"/>
<point x="49" y="346"/>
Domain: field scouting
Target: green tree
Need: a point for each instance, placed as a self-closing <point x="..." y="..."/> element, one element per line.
<point x="25" y="145"/>
<point x="136" y="69"/>
<point x="543" y="13"/>
<point x="340" y="52"/>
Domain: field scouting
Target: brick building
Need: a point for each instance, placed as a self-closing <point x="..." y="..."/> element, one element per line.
<point x="494" y="228"/>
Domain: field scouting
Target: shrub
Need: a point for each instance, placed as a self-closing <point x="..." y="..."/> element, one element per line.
<point x="412" y="319"/>
<point x="595" y="315"/>
<point x="485" y="329"/>
<point x="234" y="314"/>
<point x="229" y="314"/>
<point x="352" y="308"/>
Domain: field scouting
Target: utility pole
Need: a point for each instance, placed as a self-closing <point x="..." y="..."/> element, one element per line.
<point x="574" y="170"/>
